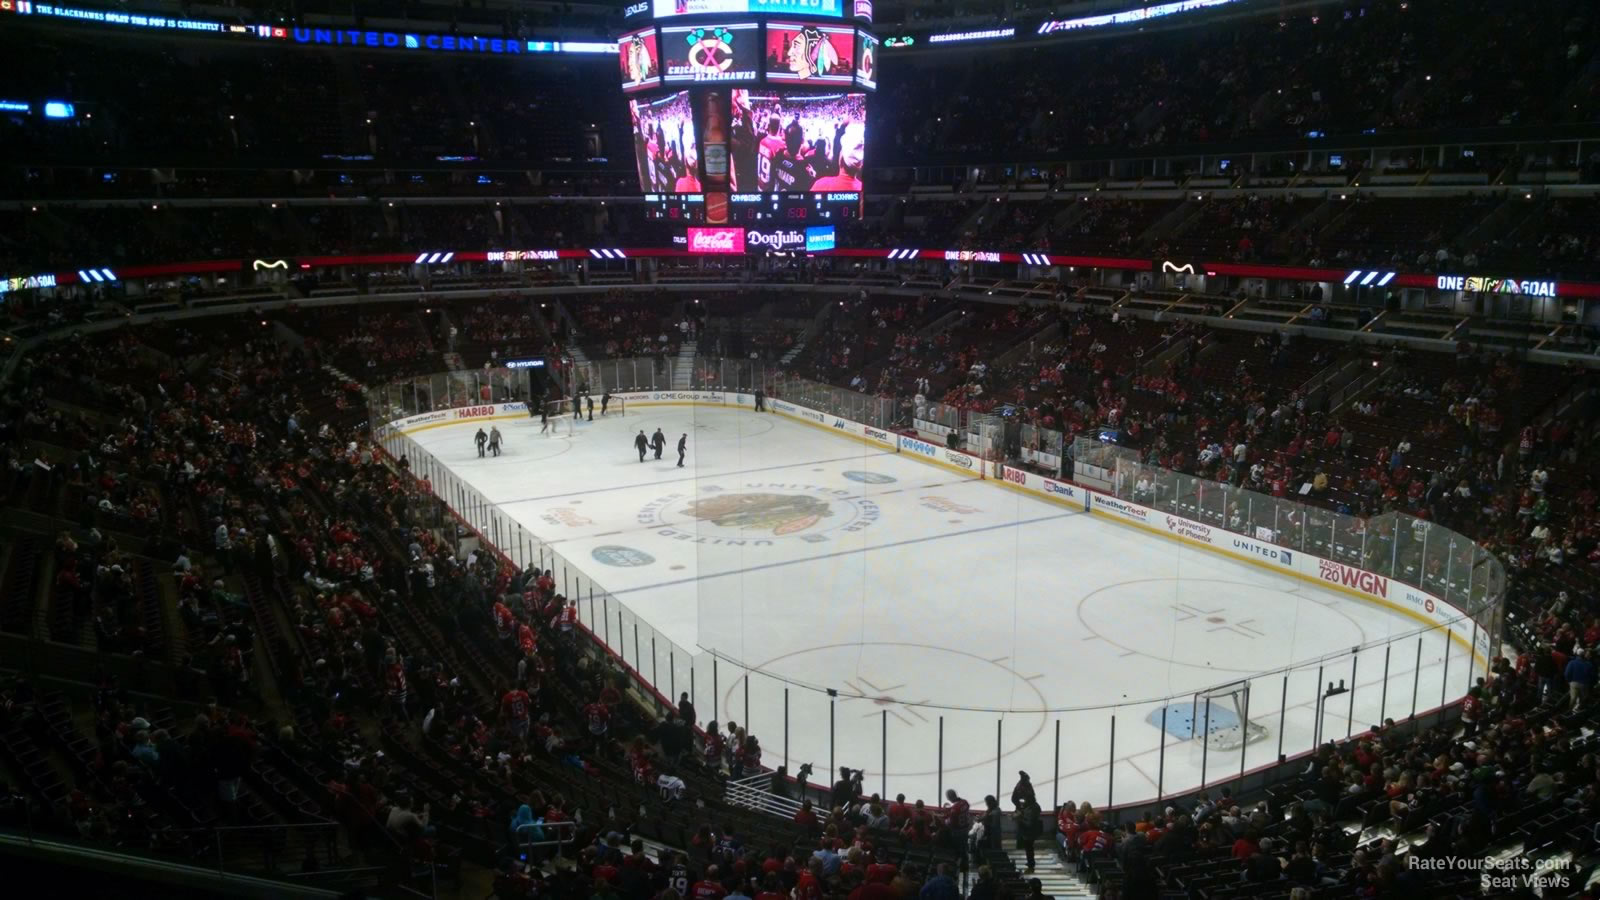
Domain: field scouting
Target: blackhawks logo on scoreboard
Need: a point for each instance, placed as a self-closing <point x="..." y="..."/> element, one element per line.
<point x="759" y="514"/>
<point x="710" y="50"/>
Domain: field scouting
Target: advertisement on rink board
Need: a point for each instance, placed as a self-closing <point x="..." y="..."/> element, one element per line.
<point x="1121" y="508"/>
<point x="1050" y="487"/>
<point x="717" y="398"/>
<point x="964" y="460"/>
<point x="423" y="419"/>
<point x="1417" y="600"/>
<point x="1261" y="550"/>
<point x="1352" y="577"/>
<point x="1194" y="531"/>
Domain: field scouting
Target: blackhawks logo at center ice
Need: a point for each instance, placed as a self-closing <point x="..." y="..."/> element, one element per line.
<point x="759" y="515"/>
<point x="778" y="514"/>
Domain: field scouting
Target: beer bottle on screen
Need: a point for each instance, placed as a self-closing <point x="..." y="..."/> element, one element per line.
<point x="714" y="140"/>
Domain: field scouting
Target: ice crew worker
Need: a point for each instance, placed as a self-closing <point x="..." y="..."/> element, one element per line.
<point x="683" y="447"/>
<point x="481" y="439"/>
<point x="659" y="442"/>
<point x="761" y="401"/>
<point x="605" y="401"/>
<point x="641" y="442"/>
<point x="590" y="398"/>
<point x="494" y="439"/>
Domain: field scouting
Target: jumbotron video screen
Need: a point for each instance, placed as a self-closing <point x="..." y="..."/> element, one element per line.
<point x="664" y="144"/>
<point x="797" y="142"/>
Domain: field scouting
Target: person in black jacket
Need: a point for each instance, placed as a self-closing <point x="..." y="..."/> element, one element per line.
<point x="991" y="823"/>
<point x="1263" y="865"/>
<point x="845" y="789"/>
<point x="1030" y="824"/>
<point x="658" y="441"/>
<point x="1139" y="877"/>
<point x="641" y="443"/>
<point x="987" y="887"/>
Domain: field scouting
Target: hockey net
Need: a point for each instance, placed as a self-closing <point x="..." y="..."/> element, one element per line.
<point x="985" y="434"/>
<point x="558" y="416"/>
<point x="1221" y="717"/>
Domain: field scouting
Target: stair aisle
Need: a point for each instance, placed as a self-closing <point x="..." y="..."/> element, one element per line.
<point x="1055" y="878"/>
<point x="684" y="370"/>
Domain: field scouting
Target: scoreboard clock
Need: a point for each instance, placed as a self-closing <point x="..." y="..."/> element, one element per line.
<point x="687" y="208"/>
<point x="790" y="209"/>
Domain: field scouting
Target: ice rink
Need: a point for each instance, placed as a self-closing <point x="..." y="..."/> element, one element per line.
<point x="959" y="621"/>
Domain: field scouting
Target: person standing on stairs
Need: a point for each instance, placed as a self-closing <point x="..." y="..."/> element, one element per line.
<point x="1030" y="824"/>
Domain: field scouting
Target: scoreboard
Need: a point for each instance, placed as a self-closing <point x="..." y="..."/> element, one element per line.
<point x="686" y="208"/>
<point x="749" y="112"/>
<point x="750" y="209"/>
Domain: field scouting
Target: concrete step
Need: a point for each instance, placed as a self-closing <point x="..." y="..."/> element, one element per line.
<point x="339" y="373"/>
<point x="1054" y="877"/>
<point x="682" y="373"/>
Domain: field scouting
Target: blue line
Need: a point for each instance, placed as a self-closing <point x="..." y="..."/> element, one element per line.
<point x="836" y="554"/>
<point x="645" y="484"/>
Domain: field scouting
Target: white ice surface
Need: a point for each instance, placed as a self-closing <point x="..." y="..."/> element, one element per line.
<point x="920" y="595"/>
